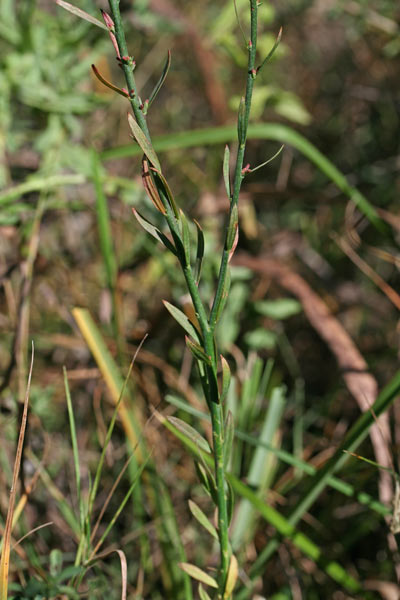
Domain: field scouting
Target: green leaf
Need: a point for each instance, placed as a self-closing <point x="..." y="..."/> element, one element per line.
<point x="199" y="252"/>
<point x="271" y="52"/>
<point x="231" y="237"/>
<point x="260" y="339"/>
<point x="198" y="574"/>
<point x="78" y="12"/>
<point x="241" y="122"/>
<point x="226" y="378"/>
<point x="183" y="320"/>
<point x="224" y="295"/>
<point x="228" y="438"/>
<point x="203" y="594"/>
<point x="226" y="171"/>
<point x="144" y="143"/>
<point x="260" y="131"/>
<point x="198" y="351"/>
<point x="190" y="433"/>
<point x="162" y="182"/>
<point x="160" y="82"/>
<point x="202" y="519"/>
<point x="154" y="231"/>
<point x="278" y="309"/>
<point x="203" y="476"/>
<point x="230" y="500"/>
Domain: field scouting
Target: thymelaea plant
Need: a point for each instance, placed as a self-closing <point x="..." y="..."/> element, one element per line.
<point x="201" y="338"/>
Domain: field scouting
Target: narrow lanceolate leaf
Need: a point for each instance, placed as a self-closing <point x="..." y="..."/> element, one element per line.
<point x="163" y="186"/>
<point x="199" y="252"/>
<point x="230" y="501"/>
<point x="271" y="52"/>
<point x="231" y="579"/>
<point x="198" y="574"/>
<point x="182" y="319"/>
<point x="150" y="187"/>
<point x="160" y="82"/>
<point x="198" y="351"/>
<point x="78" y="12"/>
<point x="241" y="123"/>
<point x="232" y="227"/>
<point x="190" y="433"/>
<point x="144" y="143"/>
<point x="153" y="231"/>
<point x="203" y="476"/>
<point x="228" y="439"/>
<point x="226" y="171"/>
<point x="226" y="378"/>
<point x="235" y="243"/>
<point x="224" y="295"/>
<point x="202" y="519"/>
<point x="185" y="236"/>
<point x="107" y="83"/>
<point x="203" y="594"/>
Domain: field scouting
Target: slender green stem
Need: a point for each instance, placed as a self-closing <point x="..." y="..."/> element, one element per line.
<point x="127" y="67"/>
<point x="238" y="174"/>
<point x="207" y="325"/>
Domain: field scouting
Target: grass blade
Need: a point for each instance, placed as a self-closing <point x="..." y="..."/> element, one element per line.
<point x="109" y="370"/>
<point x="5" y="554"/>
<point x="75" y="451"/>
<point x="260" y="131"/>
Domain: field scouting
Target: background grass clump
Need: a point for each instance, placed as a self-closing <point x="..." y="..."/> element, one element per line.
<point x="112" y="496"/>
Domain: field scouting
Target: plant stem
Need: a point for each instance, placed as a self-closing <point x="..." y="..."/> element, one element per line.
<point x="127" y="67"/>
<point x="207" y="324"/>
<point x="238" y="175"/>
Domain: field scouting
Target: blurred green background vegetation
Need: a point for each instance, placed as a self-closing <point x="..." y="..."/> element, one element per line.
<point x="68" y="239"/>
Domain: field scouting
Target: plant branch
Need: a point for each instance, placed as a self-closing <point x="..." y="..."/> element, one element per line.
<point x="243" y="123"/>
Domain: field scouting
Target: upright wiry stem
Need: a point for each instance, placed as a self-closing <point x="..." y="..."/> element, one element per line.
<point x="243" y="123"/>
<point x="207" y="323"/>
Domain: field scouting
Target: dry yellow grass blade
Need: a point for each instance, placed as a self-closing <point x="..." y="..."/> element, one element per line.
<point x="110" y="372"/>
<point x="5" y="555"/>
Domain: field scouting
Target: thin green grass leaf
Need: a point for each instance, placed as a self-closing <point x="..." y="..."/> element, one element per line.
<point x="333" y="482"/>
<point x="261" y="131"/>
<point x="96" y="481"/>
<point x="104" y="224"/>
<point x="352" y="440"/>
<point x="128" y="494"/>
<point x="75" y="450"/>
<point x="272" y="516"/>
<point x="260" y="472"/>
